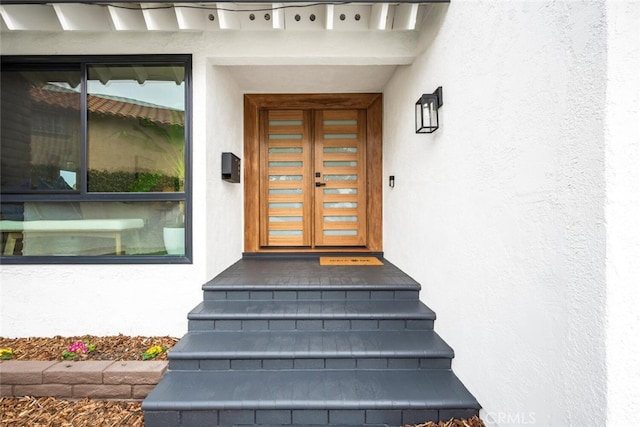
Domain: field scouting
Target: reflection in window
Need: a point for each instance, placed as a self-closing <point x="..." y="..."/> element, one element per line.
<point x="136" y="128"/>
<point x="92" y="228"/>
<point x="125" y="139"/>
<point x="40" y="128"/>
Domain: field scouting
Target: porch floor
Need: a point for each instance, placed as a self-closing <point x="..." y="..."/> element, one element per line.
<point x="299" y="271"/>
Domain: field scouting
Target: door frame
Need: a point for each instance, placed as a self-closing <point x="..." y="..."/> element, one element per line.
<point x="253" y="103"/>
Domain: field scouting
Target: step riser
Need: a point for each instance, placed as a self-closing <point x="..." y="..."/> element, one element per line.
<point x="302" y="417"/>
<point x="309" y="325"/>
<point x="331" y="363"/>
<point x="294" y="295"/>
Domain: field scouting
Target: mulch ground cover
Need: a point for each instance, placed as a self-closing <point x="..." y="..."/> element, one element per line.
<point x="114" y="348"/>
<point x="52" y="412"/>
<point x="49" y="411"/>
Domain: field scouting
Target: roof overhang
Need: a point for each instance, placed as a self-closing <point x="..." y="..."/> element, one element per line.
<point x="205" y="2"/>
<point x="180" y="15"/>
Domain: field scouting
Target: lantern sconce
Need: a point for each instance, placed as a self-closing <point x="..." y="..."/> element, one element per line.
<point x="427" y="111"/>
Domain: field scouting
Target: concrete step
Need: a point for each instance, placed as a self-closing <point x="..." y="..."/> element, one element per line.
<point x="293" y="292"/>
<point x="281" y="277"/>
<point x="307" y="397"/>
<point x="216" y="350"/>
<point x="311" y="315"/>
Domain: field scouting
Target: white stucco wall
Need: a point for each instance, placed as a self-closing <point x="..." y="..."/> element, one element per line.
<point x="46" y="300"/>
<point x="519" y="216"/>
<point x="500" y="213"/>
<point x="224" y="200"/>
<point x="623" y="213"/>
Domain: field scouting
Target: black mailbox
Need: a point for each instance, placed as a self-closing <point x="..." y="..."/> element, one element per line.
<point x="230" y="168"/>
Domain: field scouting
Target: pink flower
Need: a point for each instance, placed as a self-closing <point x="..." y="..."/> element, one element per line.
<point x="78" y="347"/>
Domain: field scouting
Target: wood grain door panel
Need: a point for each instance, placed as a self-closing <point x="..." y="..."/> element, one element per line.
<point x="283" y="209"/>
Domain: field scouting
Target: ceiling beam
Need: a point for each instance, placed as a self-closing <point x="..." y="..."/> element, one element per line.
<point x="159" y="17"/>
<point x="406" y="16"/>
<point x="82" y="17"/>
<point x="228" y="19"/>
<point x="329" y="16"/>
<point x="379" y="16"/>
<point x="192" y="19"/>
<point x="125" y="19"/>
<point x="278" y="16"/>
<point x="29" y="18"/>
<point x="213" y="2"/>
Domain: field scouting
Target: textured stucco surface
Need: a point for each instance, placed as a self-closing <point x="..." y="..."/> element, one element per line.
<point x="154" y="299"/>
<point x="502" y="209"/>
<point x="519" y="216"/>
<point x="623" y="213"/>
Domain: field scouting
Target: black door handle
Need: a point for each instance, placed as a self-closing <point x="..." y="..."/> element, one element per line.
<point x="320" y="184"/>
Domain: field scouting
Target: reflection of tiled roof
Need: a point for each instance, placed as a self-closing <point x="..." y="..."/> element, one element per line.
<point x="112" y="106"/>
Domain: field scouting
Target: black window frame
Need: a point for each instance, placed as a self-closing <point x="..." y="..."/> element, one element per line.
<point x="84" y="61"/>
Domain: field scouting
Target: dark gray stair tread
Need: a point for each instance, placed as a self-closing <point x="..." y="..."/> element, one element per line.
<point x="310" y="344"/>
<point x="209" y="286"/>
<point x="301" y="273"/>
<point x="313" y="309"/>
<point x="309" y="389"/>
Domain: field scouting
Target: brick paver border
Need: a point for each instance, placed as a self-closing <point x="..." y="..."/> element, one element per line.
<point x="94" y="379"/>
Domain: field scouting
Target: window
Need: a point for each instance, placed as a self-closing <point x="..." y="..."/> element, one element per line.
<point x="94" y="159"/>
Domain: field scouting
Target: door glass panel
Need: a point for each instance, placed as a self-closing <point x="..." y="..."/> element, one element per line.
<point x="340" y="149"/>
<point x="285" y="150"/>
<point x="340" y="122"/>
<point x="338" y="205"/>
<point x="285" y="122"/>
<point x="285" y="164"/>
<point x="285" y="219"/>
<point x="285" y="177"/>
<point x="340" y="136"/>
<point x="340" y="218"/>
<point x="340" y="164"/>
<point x="285" y="191"/>
<point x="285" y="232"/>
<point x="341" y="177"/>
<point x="340" y="191"/>
<point x="285" y="136"/>
<point x="340" y="232"/>
<point x="282" y="205"/>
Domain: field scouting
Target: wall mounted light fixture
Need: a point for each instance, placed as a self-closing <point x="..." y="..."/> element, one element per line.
<point x="427" y="111"/>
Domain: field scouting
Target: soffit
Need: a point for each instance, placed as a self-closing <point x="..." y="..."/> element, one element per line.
<point x="209" y="16"/>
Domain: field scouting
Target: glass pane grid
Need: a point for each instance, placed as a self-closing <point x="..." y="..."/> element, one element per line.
<point x="119" y="192"/>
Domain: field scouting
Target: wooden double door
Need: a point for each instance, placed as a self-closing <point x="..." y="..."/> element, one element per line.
<point x="308" y="182"/>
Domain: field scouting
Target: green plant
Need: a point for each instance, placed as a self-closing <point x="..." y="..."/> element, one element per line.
<point x="153" y="352"/>
<point x="6" y="353"/>
<point x="147" y="133"/>
<point x="78" y="348"/>
<point x="122" y="182"/>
